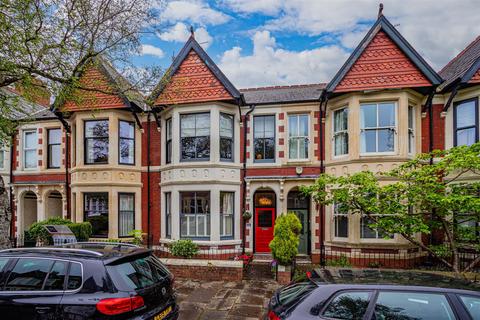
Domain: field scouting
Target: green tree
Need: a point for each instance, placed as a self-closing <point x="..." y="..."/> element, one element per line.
<point x="45" y="45"/>
<point x="419" y="197"/>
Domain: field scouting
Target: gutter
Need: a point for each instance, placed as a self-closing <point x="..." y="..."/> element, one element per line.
<point x="244" y="182"/>
<point x="10" y="189"/>
<point x="149" y="234"/>
<point x="323" y="99"/>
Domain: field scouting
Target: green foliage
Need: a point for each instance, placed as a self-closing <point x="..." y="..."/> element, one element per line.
<point x="285" y="241"/>
<point x="422" y="196"/>
<point x="37" y="231"/>
<point x="184" y="248"/>
<point x="342" y="261"/>
<point x="137" y="237"/>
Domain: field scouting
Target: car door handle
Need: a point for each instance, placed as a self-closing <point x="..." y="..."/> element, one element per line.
<point x="42" y="309"/>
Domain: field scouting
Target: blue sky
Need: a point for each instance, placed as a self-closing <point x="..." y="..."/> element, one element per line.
<point x="280" y="42"/>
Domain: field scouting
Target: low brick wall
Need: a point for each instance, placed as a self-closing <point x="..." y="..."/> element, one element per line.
<point x="208" y="270"/>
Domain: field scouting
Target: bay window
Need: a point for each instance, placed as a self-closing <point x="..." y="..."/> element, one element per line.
<point x="168" y="214"/>
<point x="411" y="129"/>
<point x="367" y="232"/>
<point x="96" y="141"/>
<point x="96" y="212"/>
<point x="195" y="214"/>
<point x="465" y="119"/>
<point x="378" y="127"/>
<point x="54" y="140"/>
<point x="264" y="138"/>
<point x="226" y="214"/>
<point x="340" y="132"/>
<point x="30" y="142"/>
<point x="340" y="217"/>
<point x="126" y="142"/>
<point x="226" y="136"/>
<point x="298" y="136"/>
<point x="126" y="214"/>
<point x="195" y="136"/>
<point x="168" y="140"/>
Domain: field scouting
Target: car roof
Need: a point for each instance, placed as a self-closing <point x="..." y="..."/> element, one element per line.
<point x="392" y="279"/>
<point x="106" y="251"/>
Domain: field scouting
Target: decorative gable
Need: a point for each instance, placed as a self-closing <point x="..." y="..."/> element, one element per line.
<point x="475" y="78"/>
<point x="382" y="65"/>
<point x="93" y="78"/>
<point x="193" y="81"/>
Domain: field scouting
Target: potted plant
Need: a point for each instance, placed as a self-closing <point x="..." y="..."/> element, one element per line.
<point x="284" y="245"/>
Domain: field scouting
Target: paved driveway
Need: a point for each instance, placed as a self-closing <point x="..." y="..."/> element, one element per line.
<point x="246" y="300"/>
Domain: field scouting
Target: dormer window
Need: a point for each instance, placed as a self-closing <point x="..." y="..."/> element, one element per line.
<point x="195" y="136"/>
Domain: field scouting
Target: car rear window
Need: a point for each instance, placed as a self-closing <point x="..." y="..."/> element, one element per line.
<point x="412" y="305"/>
<point x="74" y="276"/>
<point x="295" y="292"/>
<point x="56" y="277"/>
<point x="138" y="273"/>
<point x="473" y="306"/>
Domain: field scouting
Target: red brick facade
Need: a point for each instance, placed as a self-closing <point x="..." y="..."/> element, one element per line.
<point x="438" y="129"/>
<point x="192" y="82"/>
<point x="382" y="65"/>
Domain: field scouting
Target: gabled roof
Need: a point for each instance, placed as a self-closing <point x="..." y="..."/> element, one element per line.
<point x="191" y="50"/>
<point x="463" y="67"/>
<point x="103" y="76"/>
<point x="283" y="94"/>
<point x="382" y="24"/>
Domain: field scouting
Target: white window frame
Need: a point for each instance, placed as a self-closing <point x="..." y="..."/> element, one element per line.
<point x="335" y="214"/>
<point x="378" y="237"/>
<point x="25" y="149"/>
<point x="411" y="130"/>
<point x="225" y="216"/>
<point x="394" y="128"/>
<point x="205" y="217"/>
<point x="335" y="133"/>
<point x="297" y="136"/>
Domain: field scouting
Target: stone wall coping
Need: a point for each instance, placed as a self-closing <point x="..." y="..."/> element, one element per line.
<point x="202" y="263"/>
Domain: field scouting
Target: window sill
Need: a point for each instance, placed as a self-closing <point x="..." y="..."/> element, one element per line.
<point x="376" y="154"/>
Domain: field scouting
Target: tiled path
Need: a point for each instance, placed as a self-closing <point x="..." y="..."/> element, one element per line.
<point x="246" y="300"/>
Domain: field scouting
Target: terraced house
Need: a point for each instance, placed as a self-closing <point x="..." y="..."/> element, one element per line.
<point x="204" y="152"/>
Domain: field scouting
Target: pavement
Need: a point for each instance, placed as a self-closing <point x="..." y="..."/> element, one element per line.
<point x="213" y="300"/>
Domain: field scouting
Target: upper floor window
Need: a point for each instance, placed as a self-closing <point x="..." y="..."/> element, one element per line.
<point x="378" y="127"/>
<point x="411" y="129"/>
<point x="195" y="136"/>
<point x="264" y="138"/>
<point x="466" y="122"/>
<point x="226" y="136"/>
<point x="340" y="132"/>
<point x="30" y="143"/>
<point x="298" y="136"/>
<point x="54" y="137"/>
<point x="126" y="142"/>
<point x="168" y="142"/>
<point x="96" y="141"/>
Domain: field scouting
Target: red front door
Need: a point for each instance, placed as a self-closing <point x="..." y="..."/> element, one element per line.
<point x="264" y="222"/>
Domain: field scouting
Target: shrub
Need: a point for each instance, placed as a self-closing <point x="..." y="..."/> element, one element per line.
<point x="37" y="231"/>
<point x="340" y="262"/>
<point x="137" y="237"/>
<point x="184" y="248"/>
<point x="285" y="241"/>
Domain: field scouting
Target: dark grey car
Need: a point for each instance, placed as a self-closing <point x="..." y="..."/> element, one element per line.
<point x="373" y="294"/>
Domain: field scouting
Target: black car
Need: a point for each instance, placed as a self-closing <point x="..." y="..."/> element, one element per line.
<point x="85" y="281"/>
<point x="373" y="294"/>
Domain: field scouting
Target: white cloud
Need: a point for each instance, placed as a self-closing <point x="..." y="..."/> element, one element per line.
<point x="194" y="11"/>
<point x="147" y="49"/>
<point x="180" y="33"/>
<point x="271" y="65"/>
<point x="438" y="29"/>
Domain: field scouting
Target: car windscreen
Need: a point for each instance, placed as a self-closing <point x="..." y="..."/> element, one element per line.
<point x="295" y="292"/>
<point x="137" y="273"/>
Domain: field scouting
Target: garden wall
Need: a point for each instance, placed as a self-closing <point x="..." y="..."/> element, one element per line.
<point x="208" y="270"/>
